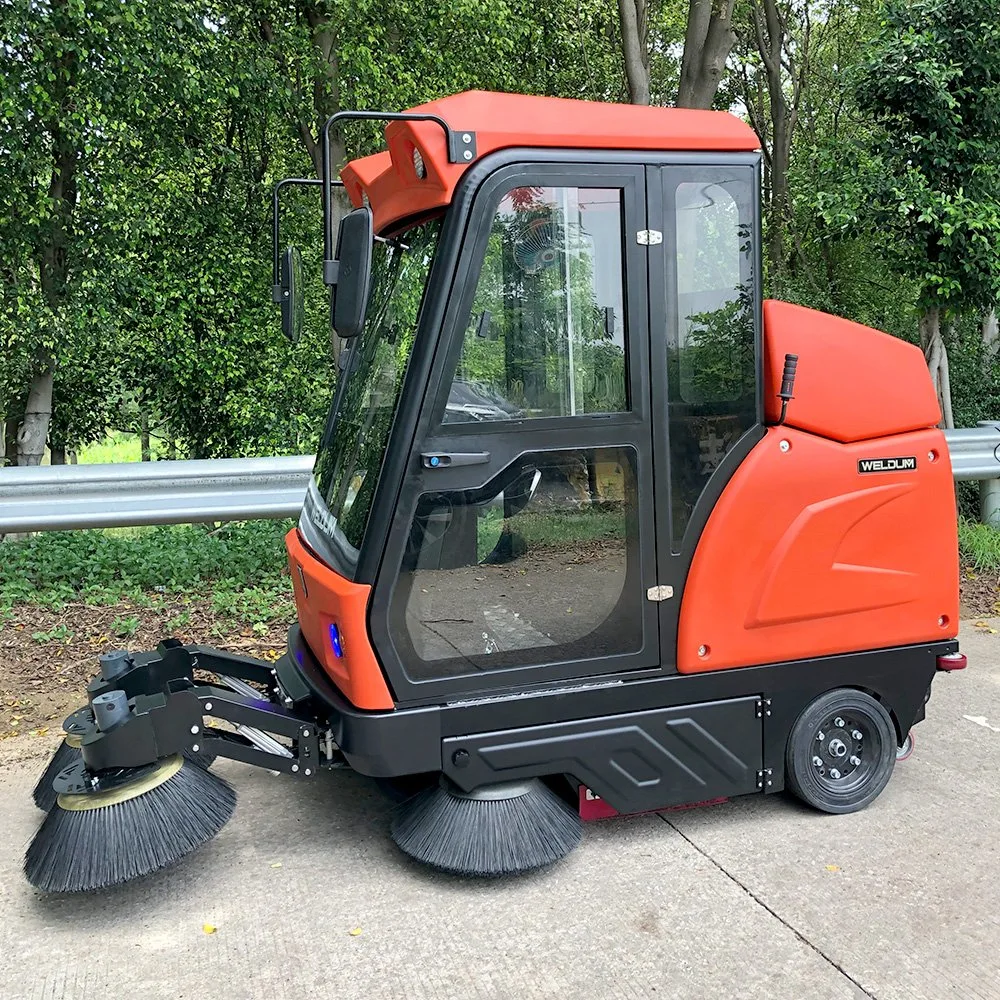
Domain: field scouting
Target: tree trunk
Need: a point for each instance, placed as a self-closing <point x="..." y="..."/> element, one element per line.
<point x="780" y="155"/>
<point x="635" y="49"/>
<point x="34" y="429"/>
<point x="991" y="333"/>
<point x="10" y="424"/>
<point x="57" y="454"/>
<point x="936" y="353"/>
<point x="144" y="436"/>
<point x="53" y="252"/>
<point x="785" y="61"/>
<point x="707" y="43"/>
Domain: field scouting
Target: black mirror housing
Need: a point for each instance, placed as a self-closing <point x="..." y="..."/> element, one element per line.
<point x="353" y="273"/>
<point x="290" y="294"/>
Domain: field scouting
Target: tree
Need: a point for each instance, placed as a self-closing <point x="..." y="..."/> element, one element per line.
<point x="635" y="48"/>
<point x="931" y="86"/>
<point x="774" y="68"/>
<point x="650" y="33"/>
<point x="707" y="43"/>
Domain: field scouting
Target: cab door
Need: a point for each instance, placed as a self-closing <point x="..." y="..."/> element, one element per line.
<point x="524" y="546"/>
<point x="705" y="328"/>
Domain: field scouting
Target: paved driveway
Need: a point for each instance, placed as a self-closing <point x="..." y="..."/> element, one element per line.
<point x="754" y="898"/>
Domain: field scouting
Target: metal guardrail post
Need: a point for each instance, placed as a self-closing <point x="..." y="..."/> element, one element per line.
<point x="989" y="489"/>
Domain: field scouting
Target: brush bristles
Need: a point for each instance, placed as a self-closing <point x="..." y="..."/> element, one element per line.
<point x="83" y="850"/>
<point x="470" y="836"/>
<point x="43" y="793"/>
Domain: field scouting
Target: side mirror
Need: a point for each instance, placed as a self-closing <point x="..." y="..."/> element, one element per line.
<point x="349" y="296"/>
<point x="289" y="294"/>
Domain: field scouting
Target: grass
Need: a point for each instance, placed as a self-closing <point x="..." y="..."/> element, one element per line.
<point x="238" y="570"/>
<point x="560" y="528"/>
<point x="116" y="447"/>
<point x="979" y="545"/>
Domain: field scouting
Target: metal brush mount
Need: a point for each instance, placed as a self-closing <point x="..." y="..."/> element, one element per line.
<point x="146" y="707"/>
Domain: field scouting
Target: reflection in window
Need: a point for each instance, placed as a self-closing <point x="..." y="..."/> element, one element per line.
<point x="712" y="363"/>
<point x="546" y="336"/>
<point x="532" y="568"/>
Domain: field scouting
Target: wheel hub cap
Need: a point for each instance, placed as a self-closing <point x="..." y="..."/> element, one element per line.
<point x="839" y="756"/>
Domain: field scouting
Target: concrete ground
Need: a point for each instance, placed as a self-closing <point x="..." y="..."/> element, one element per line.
<point x="754" y="898"/>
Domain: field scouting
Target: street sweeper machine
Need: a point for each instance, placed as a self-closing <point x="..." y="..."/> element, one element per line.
<point x="593" y="529"/>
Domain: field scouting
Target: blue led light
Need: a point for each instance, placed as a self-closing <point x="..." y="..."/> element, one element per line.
<point x="338" y="650"/>
<point x="435" y="461"/>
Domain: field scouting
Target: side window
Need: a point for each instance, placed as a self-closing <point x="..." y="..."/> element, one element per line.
<point x="546" y="336"/>
<point x="540" y="564"/>
<point x="712" y="370"/>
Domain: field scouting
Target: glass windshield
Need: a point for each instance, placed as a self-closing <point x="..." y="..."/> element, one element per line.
<point x="355" y="442"/>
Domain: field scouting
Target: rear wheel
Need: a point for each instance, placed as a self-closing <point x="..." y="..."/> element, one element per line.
<point x="841" y="751"/>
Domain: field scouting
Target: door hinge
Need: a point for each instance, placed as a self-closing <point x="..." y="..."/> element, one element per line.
<point x="649" y="237"/>
<point x="765" y="778"/>
<point x="659" y="593"/>
<point x="763" y="707"/>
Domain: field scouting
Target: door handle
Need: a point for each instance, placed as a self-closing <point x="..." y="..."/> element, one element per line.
<point x="446" y="459"/>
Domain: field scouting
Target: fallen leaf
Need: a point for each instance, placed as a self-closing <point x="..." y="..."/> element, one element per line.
<point x="355" y="931"/>
<point x="209" y="928"/>
<point x="276" y="864"/>
<point x="833" y="868"/>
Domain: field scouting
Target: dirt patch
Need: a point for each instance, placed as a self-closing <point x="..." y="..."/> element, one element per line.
<point x="47" y="657"/>
<point x="980" y="595"/>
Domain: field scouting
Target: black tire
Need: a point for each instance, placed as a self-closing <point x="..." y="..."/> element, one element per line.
<point x="820" y="759"/>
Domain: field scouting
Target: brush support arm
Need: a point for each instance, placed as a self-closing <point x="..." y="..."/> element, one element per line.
<point x="167" y="710"/>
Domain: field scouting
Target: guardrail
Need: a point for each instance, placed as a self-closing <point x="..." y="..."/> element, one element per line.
<point x="62" y="497"/>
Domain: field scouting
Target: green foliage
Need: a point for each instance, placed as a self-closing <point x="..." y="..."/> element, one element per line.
<point x="246" y="562"/>
<point x="979" y="545"/>
<point x="60" y="633"/>
<point x="932" y="85"/>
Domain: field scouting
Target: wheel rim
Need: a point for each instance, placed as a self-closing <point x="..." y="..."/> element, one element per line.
<point x="846" y="750"/>
<point x="906" y="749"/>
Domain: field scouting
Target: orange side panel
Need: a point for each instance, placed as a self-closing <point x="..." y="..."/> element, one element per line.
<point x="852" y="383"/>
<point x="502" y="121"/>
<point x="322" y="598"/>
<point x="806" y="556"/>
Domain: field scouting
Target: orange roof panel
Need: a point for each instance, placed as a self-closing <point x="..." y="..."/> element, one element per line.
<point x="500" y="121"/>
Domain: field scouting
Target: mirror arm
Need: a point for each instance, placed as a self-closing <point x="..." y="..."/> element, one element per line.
<point x="276" y="227"/>
<point x="461" y="149"/>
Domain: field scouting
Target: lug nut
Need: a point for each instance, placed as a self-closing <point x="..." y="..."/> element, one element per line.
<point x="821" y="736"/>
<point x="817" y="761"/>
<point x="858" y="735"/>
<point x="834" y="773"/>
<point x="855" y="760"/>
<point x="839" y="722"/>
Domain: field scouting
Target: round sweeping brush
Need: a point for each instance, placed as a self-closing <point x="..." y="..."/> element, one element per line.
<point x="148" y="822"/>
<point x="69" y="753"/>
<point x="494" y="830"/>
